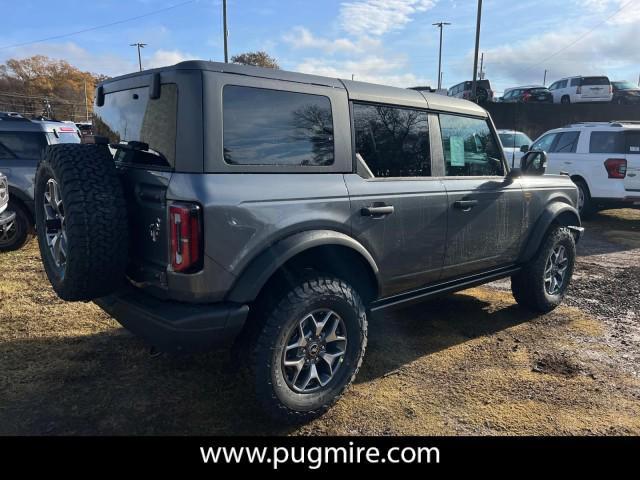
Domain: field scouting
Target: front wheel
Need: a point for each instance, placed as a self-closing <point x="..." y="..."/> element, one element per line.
<point x="309" y="348"/>
<point x="542" y="283"/>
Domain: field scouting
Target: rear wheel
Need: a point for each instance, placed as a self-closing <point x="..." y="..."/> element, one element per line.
<point x="18" y="232"/>
<point x="309" y="348"/>
<point x="81" y="221"/>
<point x="542" y="283"/>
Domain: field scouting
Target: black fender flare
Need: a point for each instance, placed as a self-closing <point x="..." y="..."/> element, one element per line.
<point x="560" y="212"/>
<point x="249" y="283"/>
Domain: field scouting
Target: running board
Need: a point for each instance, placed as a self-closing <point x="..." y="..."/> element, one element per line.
<point x="442" y="288"/>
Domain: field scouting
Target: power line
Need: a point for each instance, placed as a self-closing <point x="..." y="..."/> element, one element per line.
<point x="118" y="22"/>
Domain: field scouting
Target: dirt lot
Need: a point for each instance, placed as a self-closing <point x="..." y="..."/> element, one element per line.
<point x="469" y="363"/>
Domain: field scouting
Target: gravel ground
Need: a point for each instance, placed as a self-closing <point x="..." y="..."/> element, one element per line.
<point x="469" y="363"/>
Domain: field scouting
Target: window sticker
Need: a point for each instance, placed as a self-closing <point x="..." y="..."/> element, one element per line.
<point x="634" y="149"/>
<point x="456" y="145"/>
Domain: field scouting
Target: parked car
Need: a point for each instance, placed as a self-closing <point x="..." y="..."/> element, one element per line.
<point x="243" y="206"/>
<point x="463" y="90"/>
<point x="602" y="158"/>
<point x="6" y="216"/>
<point x="625" y="93"/>
<point x="514" y="144"/>
<point x="582" y="89"/>
<point x="22" y="142"/>
<point x="527" y="94"/>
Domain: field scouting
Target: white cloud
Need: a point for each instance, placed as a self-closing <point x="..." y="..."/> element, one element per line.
<point x="372" y="68"/>
<point x="597" y="53"/>
<point x="358" y="47"/>
<point x="302" y="38"/>
<point x="163" y="58"/>
<point x="377" y="17"/>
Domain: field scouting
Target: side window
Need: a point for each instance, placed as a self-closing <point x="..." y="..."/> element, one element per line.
<point x="274" y="127"/>
<point x="563" y="84"/>
<point x="545" y="142"/>
<point x="606" y="142"/>
<point x="470" y="149"/>
<point x="566" y="143"/>
<point x="393" y="141"/>
<point x="553" y="86"/>
<point x="22" y="145"/>
<point x="575" y="82"/>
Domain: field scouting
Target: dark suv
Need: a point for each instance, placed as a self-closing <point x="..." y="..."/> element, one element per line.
<point x="22" y="142"/>
<point x="275" y="212"/>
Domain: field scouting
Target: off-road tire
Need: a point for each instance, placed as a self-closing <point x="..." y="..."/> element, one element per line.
<point x="527" y="285"/>
<point x="588" y="207"/>
<point x="272" y="391"/>
<point x="23" y="232"/>
<point x="95" y="220"/>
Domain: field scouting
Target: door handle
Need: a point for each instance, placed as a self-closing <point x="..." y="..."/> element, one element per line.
<point x="465" y="205"/>
<point x="568" y="163"/>
<point x="377" y="211"/>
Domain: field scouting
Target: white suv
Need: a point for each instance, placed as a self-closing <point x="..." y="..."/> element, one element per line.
<point x="603" y="159"/>
<point x="582" y="89"/>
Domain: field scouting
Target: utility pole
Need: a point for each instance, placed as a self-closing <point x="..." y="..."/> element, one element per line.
<point x="544" y="80"/>
<point x="225" y="32"/>
<point x="481" y="74"/>
<point x="86" y="103"/>
<point x="139" y="45"/>
<point x="474" y="84"/>
<point x="440" y="25"/>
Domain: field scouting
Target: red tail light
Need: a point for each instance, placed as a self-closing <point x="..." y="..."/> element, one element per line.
<point x="616" y="167"/>
<point x="186" y="233"/>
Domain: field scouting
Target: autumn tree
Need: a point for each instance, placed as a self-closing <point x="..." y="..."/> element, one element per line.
<point x="256" y="59"/>
<point x="25" y="83"/>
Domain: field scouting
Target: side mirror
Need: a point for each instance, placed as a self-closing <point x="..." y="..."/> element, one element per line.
<point x="534" y="162"/>
<point x="524" y="148"/>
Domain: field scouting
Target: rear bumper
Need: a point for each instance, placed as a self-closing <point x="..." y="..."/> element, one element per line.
<point x="174" y="326"/>
<point x="6" y="217"/>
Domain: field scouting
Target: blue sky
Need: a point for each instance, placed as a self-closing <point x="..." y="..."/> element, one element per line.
<point x="384" y="41"/>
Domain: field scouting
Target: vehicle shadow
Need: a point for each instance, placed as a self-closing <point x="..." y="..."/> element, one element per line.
<point x="108" y="383"/>
<point x="401" y="336"/>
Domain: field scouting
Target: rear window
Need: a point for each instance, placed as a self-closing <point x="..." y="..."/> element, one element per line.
<point x="130" y="115"/>
<point x="606" y="142"/>
<point x="538" y="90"/>
<point x="63" y="137"/>
<point x="484" y="84"/>
<point x="595" y="81"/>
<point x="22" y="145"/>
<point x="275" y="127"/>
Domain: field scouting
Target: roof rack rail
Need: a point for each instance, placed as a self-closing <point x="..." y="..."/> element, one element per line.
<point x="619" y="123"/>
<point x="586" y="124"/>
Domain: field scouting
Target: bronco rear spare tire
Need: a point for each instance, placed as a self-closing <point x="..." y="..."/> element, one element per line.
<point x="81" y="221"/>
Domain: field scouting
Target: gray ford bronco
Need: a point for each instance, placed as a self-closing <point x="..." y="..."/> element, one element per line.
<point x="275" y="212"/>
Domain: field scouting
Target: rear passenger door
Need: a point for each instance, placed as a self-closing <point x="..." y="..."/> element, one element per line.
<point x="399" y="210"/>
<point x="484" y="209"/>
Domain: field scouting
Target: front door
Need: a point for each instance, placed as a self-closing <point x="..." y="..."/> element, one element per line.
<point x="485" y="211"/>
<point x="399" y="211"/>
